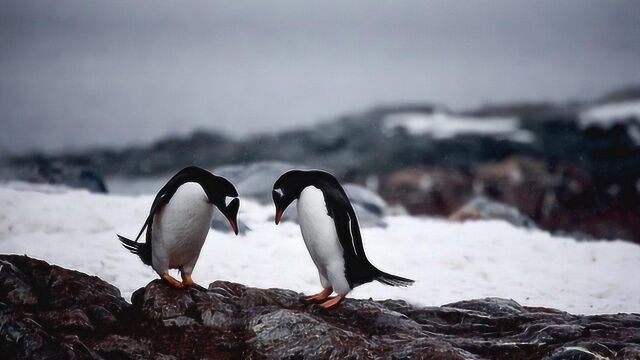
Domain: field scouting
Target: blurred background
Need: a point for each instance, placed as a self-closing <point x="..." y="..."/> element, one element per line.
<point x="463" y="110"/>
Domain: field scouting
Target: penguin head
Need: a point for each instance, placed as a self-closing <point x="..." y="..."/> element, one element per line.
<point x="225" y="197"/>
<point x="290" y="184"/>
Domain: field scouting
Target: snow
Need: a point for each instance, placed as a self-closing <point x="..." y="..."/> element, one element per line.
<point x="442" y="125"/>
<point x="449" y="261"/>
<point x="608" y="115"/>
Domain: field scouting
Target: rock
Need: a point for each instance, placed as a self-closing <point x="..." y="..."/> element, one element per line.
<point x="368" y="219"/>
<point x="481" y="208"/>
<point x="57" y="173"/>
<point x="66" y="320"/>
<point x="367" y="199"/>
<point x="430" y="191"/>
<point x="559" y="197"/>
<point x="255" y="180"/>
<point x="14" y="289"/>
<point x="117" y="346"/>
<point x="50" y="312"/>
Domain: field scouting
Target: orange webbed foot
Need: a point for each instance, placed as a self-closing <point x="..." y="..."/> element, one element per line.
<point x="331" y="303"/>
<point x="187" y="280"/>
<point x="321" y="296"/>
<point x="172" y="281"/>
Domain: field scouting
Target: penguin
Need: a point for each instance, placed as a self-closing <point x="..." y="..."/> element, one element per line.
<point x="331" y="233"/>
<point x="179" y="221"/>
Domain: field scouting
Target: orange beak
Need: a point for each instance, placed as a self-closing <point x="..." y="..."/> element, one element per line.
<point x="234" y="225"/>
<point x="279" y="213"/>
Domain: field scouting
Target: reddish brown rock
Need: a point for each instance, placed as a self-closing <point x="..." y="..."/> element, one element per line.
<point x="230" y="321"/>
<point x="558" y="197"/>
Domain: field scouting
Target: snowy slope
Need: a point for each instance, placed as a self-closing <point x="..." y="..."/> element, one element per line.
<point x="450" y="262"/>
<point x="442" y="125"/>
<point x="608" y="115"/>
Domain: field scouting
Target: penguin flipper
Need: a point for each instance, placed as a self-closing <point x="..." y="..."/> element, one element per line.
<point x="379" y="275"/>
<point x="360" y="269"/>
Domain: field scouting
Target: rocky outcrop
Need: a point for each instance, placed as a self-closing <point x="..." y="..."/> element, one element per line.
<point x="574" y="166"/>
<point x="561" y="198"/>
<point x="482" y="208"/>
<point x="56" y="174"/>
<point x="50" y="312"/>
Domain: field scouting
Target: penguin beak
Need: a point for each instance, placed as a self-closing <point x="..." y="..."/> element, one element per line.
<point x="279" y="213"/>
<point x="231" y="213"/>
<point x="234" y="225"/>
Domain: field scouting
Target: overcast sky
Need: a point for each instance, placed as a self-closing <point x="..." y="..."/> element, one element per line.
<point x="83" y="73"/>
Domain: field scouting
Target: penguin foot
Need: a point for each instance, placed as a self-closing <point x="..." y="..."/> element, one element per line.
<point x="173" y="282"/>
<point x="187" y="280"/>
<point x="321" y="296"/>
<point x="331" y="303"/>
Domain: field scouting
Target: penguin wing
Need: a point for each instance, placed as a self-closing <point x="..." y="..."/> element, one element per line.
<point x="359" y="269"/>
<point x="357" y="266"/>
<point x="161" y="199"/>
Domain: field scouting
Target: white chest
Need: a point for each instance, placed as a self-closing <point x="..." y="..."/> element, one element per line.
<point x="318" y="229"/>
<point x="181" y="227"/>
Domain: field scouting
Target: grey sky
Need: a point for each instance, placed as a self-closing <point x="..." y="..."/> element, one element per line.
<point x="83" y="73"/>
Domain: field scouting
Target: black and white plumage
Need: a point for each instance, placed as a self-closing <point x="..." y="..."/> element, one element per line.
<point x="179" y="221"/>
<point x="330" y="230"/>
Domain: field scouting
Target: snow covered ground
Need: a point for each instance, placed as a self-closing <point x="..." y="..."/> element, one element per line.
<point x="442" y="125"/>
<point x="450" y="262"/>
<point x="608" y="115"/>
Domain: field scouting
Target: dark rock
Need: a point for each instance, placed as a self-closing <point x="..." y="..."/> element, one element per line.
<point x="367" y="199"/>
<point x="44" y="171"/>
<point x="430" y="191"/>
<point x="255" y="180"/>
<point x="102" y="318"/>
<point x="481" y="208"/>
<point x="69" y="315"/>
<point x="66" y="320"/>
<point x="117" y="346"/>
<point x="161" y="302"/>
<point x="13" y="286"/>
<point x="528" y="192"/>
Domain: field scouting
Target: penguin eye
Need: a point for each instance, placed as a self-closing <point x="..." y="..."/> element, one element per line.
<point x="228" y="200"/>
<point x="279" y="192"/>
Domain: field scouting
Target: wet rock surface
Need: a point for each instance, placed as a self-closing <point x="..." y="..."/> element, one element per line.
<point x="47" y="312"/>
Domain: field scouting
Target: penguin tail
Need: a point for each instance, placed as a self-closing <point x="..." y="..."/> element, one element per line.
<point x="392" y="280"/>
<point x="143" y="250"/>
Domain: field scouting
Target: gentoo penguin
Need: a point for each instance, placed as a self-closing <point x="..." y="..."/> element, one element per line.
<point x="179" y="221"/>
<point x="331" y="233"/>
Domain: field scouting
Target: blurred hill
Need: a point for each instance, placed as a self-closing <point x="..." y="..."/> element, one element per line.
<point x="573" y="166"/>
